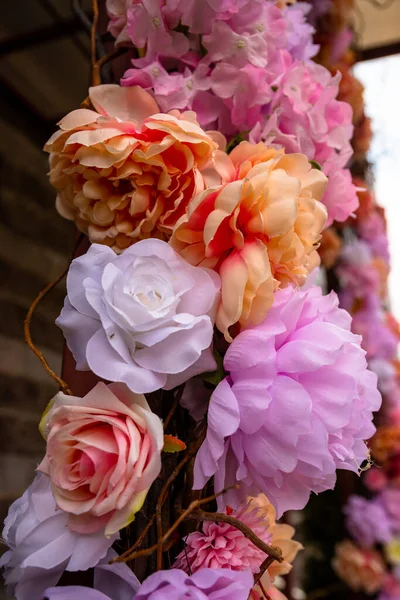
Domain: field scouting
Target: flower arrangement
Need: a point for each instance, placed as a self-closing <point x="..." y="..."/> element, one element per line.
<point x="356" y="255"/>
<point x="228" y="386"/>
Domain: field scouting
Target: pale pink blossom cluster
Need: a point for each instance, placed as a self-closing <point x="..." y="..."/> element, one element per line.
<point x="244" y="68"/>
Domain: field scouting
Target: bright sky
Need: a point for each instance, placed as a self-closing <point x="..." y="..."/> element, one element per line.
<point x="381" y="78"/>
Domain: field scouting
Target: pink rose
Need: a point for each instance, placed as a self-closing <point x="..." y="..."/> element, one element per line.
<point x="103" y="454"/>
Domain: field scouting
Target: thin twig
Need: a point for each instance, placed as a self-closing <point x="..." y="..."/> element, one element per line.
<point x="140" y="538"/>
<point x="192" y="449"/>
<point x="99" y="64"/>
<point x="28" y="337"/>
<point x="93" y="33"/>
<point x="273" y="552"/>
<point x="264" y="591"/>
<point x="264" y="566"/>
<point x="27" y="322"/>
<point x="148" y="551"/>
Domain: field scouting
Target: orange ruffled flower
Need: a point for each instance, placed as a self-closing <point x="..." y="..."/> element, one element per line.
<point x="260" y="230"/>
<point x="124" y="171"/>
<point x="385" y="443"/>
<point x="362" y="570"/>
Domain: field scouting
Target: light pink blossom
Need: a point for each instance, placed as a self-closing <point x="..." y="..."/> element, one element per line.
<point x="103" y="453"/>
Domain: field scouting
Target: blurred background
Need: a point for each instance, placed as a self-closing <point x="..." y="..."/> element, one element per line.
<point x="44" y="73"/>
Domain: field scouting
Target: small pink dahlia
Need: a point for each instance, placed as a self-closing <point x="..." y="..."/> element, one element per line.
<point x="222" y="546"/>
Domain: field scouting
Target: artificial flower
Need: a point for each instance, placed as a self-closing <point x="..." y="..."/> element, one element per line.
<point x="386" y="442"/>
<point x="103" y="453"/>
<point x="375" y="479"/>
<point x="124" y="171"/>
<point x="299" y="31"/>
<point x="148" y="27"/>
<point x="281" y="536"/>
<point x="144" y="317"/>
<point x="117" y="13"/>
<point x="391" y="589"/>
<point x="259" y="231"/>
<point x="369" y="322"/>
<point x="41" y="544"/>
<point x="295" y="406"/>
<point x="223" y="546"/>
<point x="340" y="197"/>
<point x="110" y="581"/>
<point x="331" y="245"/>
<point x="367" y="521"/>
<point x="205" y="584"/>
<point x="392" y="551"/>
<point x="362" y="570"/>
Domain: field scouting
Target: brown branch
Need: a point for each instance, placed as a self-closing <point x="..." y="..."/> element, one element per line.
<point x="27" y="322"/>
<point x="192" y="449"/>
<point x="273" y="552"/>
<point x="93" y="32"/>
<point x="148" y="551"/>
<point x="28" y="338"/>
<point x="264" y="591"/>
<point x="140" y="538"/>
<point x="264" y="566"/>
<point x="98" y="65"/>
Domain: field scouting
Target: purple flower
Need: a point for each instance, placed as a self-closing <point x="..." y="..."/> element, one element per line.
<point x="115" y="581"/>
<point x="42" y="546"/>
<point x="367" y="521"/>
<point x="378" y="340"/>
<point x="300" y="33"/>
<point x="372" y="229"/>
<point x="144" y="317"/>
<point x="297" y="404"/>
<point x="211" y="584"/>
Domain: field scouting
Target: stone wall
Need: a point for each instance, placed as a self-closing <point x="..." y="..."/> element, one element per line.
<point x="35" y="244"/>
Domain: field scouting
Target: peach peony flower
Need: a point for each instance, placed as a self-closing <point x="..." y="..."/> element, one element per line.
<point x="123" y="171"/>
<point x="103" y="453"/>
<point x="259" y="230"/>
<point x="362" y="570"/>
<point x="281" y="536"/>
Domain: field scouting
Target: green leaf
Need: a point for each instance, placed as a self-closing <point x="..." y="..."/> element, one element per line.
<point x="315" y="164"/>
<point x="218" y="375"/>
<point x="173" y="444"/>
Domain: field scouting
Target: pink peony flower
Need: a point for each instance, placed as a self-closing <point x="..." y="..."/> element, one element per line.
<point x="296" y="405"/>
<point x="206" y="584"/>
<point x="42" y="546"/>
<point x="103" y="453"/>
<point x="222" y="546"/>
<point x="367" y="521"/>
<point x="144" y="317"/>
<point x="340" y="196"/>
